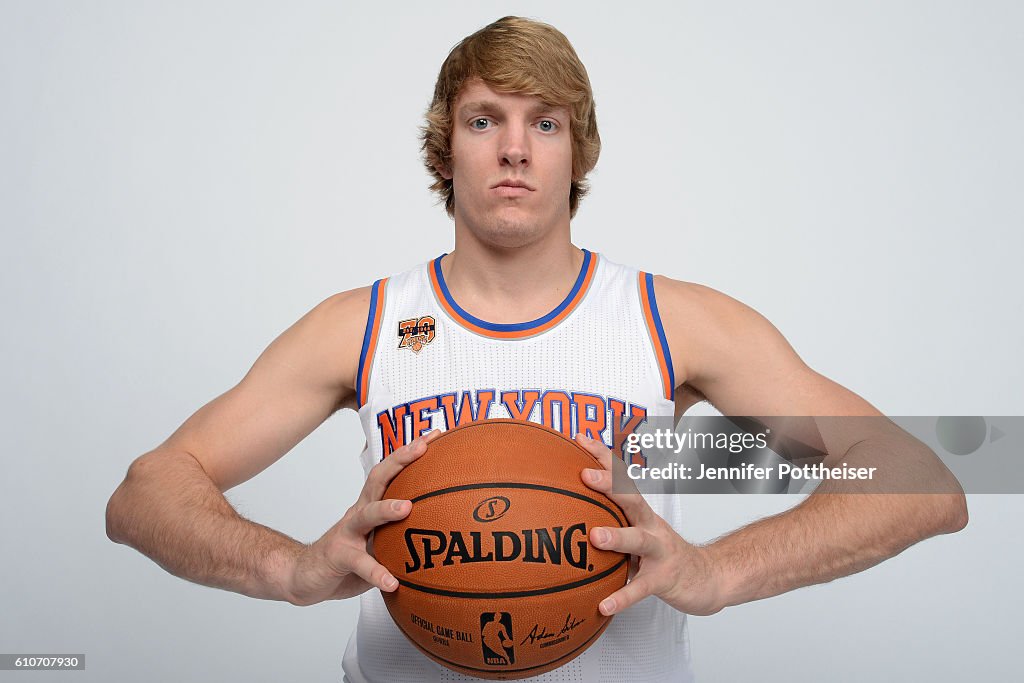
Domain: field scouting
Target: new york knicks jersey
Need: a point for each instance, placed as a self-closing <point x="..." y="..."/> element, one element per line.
<point x="599" y="359"/>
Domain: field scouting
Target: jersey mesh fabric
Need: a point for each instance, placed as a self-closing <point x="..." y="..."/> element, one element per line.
<point x="602" y="348"/>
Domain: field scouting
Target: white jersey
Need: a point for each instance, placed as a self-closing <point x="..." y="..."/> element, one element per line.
<point x="600" y="358"/>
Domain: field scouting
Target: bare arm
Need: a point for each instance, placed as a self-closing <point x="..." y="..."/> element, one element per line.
<point x="746" y="367"/>
<point x="834" y="532"/>
<point x="171" y="505"/>
<point x="730" y="354"/>
<point x="170" y="510"/>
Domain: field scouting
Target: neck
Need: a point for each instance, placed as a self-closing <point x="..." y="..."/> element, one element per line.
<point x="511" y="284"/>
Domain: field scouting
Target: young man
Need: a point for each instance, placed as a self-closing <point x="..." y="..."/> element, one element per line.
<point x="504" y="327"/>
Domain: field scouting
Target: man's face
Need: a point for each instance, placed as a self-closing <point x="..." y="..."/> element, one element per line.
<point x="512" y="166"/>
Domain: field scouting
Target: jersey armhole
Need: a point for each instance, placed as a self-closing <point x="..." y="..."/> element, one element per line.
<point x="656" y="333"/>
<point x="374" y="317"/>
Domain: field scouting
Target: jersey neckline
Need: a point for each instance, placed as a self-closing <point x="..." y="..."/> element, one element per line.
<point x="512" y="330"/>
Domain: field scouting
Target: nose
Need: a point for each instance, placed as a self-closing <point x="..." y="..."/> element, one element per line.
<point x="514" y="146"/>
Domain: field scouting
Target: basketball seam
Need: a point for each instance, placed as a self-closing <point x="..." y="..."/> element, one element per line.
<point x="516" y="594"/>
<point x="518" y="485"/>
<point x="526" y="423"/>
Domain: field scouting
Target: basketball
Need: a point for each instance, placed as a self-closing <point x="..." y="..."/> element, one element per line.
<point x="497" y="577"/>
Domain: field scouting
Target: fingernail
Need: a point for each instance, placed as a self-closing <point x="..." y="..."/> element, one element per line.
<point x="397" y="505"/>
<point x="390" y="582"/>
<point x="607" y="607"/>
<point x="602" y="536"/>
<point x="593" y="476"/>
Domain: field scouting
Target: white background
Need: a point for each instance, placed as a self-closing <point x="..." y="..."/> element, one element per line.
<point x="179" y="182"/>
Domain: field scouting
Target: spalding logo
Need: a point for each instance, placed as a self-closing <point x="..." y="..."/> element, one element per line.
<point x="491" y="509"/>
<point x="548" y="546"/>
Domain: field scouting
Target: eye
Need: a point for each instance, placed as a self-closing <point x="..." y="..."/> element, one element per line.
<point x="480" y="124"/>
<point x="547" y="126"/>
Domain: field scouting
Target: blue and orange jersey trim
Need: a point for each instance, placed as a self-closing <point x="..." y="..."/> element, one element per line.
<point x="370" y="337"/>
<point x="513" y="330"/>
<point x="649" y="303"/>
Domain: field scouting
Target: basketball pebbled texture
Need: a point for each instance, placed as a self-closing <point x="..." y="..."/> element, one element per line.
<point x="497" y="575"/>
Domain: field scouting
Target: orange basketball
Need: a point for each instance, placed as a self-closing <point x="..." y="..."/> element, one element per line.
<point x="497" y="577"/>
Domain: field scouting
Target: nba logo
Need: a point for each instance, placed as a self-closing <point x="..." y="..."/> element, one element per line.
<point x="496" y="638"/>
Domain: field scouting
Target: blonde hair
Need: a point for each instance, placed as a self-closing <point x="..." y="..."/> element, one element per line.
<point x="522" y="56"/>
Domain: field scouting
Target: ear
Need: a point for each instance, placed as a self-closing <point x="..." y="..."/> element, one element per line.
<point x="443" y="171"/>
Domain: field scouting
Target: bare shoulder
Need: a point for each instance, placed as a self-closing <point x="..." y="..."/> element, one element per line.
<point x="732" y="355"/>
<point x="343" y="313"/>
<point x="306" y="374"/>
<point x="327" y="340"/>
<point x="707" y="329"/>
<point x="695" y="298"/>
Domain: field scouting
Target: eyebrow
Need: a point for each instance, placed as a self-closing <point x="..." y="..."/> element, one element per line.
<point x="490" y="107"/>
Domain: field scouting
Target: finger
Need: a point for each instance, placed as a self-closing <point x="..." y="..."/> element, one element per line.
<point x="387" y="469"/>
<point x="382" y="473"/>
<point x="627" y="596"/>
<point x="638" y="511"/>
<point x="609" y="462"/>
<point x="599" y="480"/>
<point x="597" y="449"/>
<point x="628" y="540"/>
<point x="363" y="565"/>
<point x="372" y="515"/>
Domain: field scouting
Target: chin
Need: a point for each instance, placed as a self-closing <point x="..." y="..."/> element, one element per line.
<point x="510" y="231"/>
<point x="506" y="228"/>
<point x="510" y="225"/>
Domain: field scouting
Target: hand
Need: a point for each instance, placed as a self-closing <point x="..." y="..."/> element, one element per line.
<point x="339" y="565"/>
<point x="678" y="572"/>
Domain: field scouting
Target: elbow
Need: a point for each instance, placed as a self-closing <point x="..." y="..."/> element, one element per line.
<point x="955" y="507"/>
<point x="949" y="504"/>
<point x="113" y="516"/>
<point x="116" y="512"/>
<point x="958" y="516"/>
<point x="948" y="512"/>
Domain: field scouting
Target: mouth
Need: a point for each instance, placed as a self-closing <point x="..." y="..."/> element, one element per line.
<point x="512" y="188"/>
